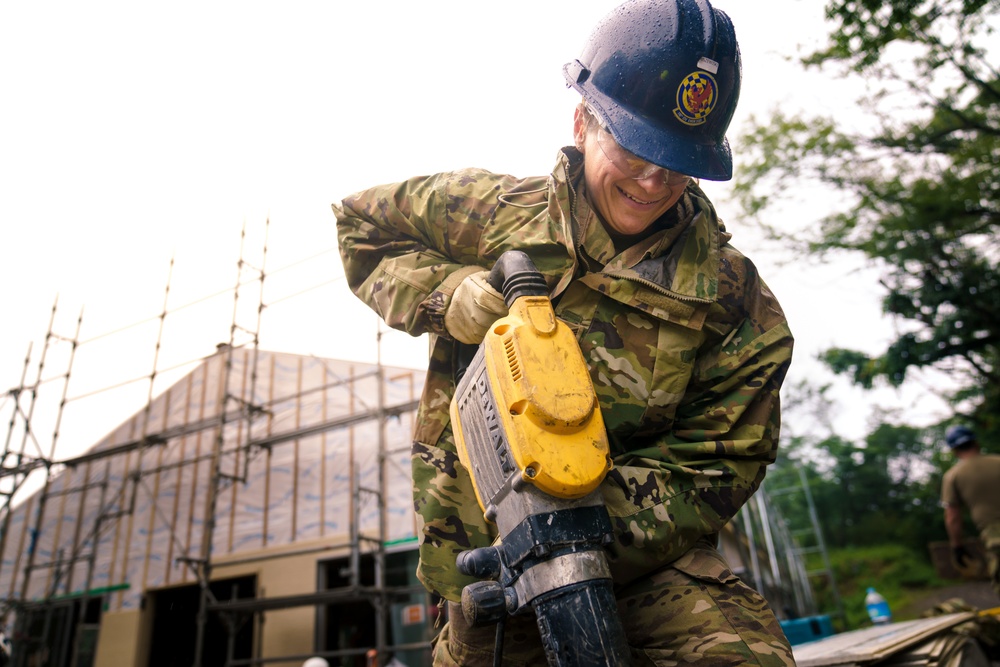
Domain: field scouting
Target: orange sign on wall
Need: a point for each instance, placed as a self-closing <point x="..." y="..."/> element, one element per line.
<point x="413" y="613"/>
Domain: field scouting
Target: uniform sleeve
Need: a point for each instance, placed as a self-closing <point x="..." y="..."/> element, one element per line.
<point x="675" y="487"/>
<point x="406" y="246"/>
<point x="949" y="492"/>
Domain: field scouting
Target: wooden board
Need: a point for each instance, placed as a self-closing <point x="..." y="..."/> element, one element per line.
<point x="860" y="647"/>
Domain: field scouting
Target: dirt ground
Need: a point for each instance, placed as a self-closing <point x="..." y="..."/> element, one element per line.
<point x="977" y="594"/>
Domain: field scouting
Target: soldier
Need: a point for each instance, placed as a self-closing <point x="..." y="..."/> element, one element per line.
<point x="973" y="485"/>
<point x="686" y="345"/>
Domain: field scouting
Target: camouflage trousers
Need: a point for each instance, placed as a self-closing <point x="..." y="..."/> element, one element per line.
<point x="991" y="540"/>
<point x="695" y="609"/>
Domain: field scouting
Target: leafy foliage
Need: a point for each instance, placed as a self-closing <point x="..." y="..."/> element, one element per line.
<point x="883" y="490"/>
<point x="897" y="572"/>
<point x="920" y="184"/>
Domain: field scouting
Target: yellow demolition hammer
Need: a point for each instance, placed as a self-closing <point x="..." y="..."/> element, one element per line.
<point x="529" y="430"/>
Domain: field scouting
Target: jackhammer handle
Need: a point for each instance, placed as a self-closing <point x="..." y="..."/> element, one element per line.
<point x="515" y="275"/>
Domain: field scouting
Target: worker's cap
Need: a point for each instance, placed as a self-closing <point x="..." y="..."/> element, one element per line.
<point x="958" y="436"/>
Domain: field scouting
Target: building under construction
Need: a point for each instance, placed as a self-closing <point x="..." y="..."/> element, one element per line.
<point x="255" y="512"/>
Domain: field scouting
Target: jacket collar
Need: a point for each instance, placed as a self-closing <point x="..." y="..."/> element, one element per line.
<point x="681" y="259"/>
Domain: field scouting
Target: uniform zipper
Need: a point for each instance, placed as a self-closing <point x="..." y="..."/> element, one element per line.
<point x="657" y="287"/>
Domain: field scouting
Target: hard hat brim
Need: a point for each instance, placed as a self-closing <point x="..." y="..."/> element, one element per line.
<point x="654" y="143"/>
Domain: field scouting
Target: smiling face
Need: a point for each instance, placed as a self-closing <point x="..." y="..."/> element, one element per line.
<point x="627" y="204"/>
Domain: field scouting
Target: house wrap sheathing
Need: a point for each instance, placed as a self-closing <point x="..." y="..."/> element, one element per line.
<point x="297" y="454"/>
<point x="293" y="468"/>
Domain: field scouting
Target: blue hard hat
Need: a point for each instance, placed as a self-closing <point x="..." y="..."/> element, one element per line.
<point x="664" y="77"/>
<point x="958" y="436"/>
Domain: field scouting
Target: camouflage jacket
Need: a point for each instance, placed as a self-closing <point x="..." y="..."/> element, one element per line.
<point x="686" y="346"/>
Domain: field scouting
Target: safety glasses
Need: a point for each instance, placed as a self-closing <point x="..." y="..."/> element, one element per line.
<point x="631" y="165"/>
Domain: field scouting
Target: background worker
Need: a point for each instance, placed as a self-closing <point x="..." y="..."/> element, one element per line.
<point x="686" y="346"/>
<point x="973" y="485"/>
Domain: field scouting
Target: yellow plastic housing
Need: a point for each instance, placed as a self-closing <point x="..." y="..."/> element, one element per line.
<point x="546" y="400"/>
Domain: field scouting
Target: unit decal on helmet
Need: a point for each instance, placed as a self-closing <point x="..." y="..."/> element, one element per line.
<point x="696" y="97"/>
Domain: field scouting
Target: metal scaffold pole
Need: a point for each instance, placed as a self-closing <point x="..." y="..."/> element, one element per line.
<point x="17" y="473"/>
<point x="40" y="511"/>
<point x="814" y="533"/>
<point x="820" y="542"/>
<point x="218" y="477"/>
<point x="382" y="606"/>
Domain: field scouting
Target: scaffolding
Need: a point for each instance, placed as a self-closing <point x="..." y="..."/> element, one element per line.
<point x="221" y="433"/>
<point x="773" y="557"/>
<point x="243" y="441"/>
<point x="803" y="540"/>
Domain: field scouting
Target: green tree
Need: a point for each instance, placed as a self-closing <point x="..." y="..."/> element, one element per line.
<point x="884" y="489"/>
<point x="921" y="184"/>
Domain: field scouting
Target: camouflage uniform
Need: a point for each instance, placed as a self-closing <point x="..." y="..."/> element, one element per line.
<point x="687" y="350"/>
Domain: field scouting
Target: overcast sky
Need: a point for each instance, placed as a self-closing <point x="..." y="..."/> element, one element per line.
<point x="133" y="133"/>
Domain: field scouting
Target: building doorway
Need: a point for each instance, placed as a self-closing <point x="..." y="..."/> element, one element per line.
<point x="175" y="625"/>
<point x="57" y="633"/>
<point x="351" y="625"/>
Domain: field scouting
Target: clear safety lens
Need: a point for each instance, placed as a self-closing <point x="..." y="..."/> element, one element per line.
<point x="632" y="165"/>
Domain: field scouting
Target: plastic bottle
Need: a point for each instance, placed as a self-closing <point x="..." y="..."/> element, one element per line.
<point x="878" y="608"/>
